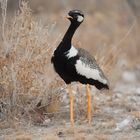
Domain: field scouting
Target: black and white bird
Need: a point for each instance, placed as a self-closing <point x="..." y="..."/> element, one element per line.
<point x="76" y="64"/>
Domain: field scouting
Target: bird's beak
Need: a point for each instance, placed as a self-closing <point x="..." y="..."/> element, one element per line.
<point x="69" y="17"/>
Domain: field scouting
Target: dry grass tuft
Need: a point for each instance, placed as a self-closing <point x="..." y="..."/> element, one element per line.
<point x="24" y="59"/>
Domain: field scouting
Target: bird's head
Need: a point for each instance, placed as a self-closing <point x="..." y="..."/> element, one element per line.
<point x="75" y="16"/>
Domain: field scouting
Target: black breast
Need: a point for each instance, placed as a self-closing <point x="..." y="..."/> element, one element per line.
<point x="64" y="67"/>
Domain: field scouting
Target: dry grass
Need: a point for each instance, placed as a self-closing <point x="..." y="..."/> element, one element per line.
<point x="24" y="60"/>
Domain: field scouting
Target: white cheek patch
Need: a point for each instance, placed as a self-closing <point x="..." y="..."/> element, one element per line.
<point x="88" y="72"/>
<point x="80" y="19"/>
<point x="72" y="52"/>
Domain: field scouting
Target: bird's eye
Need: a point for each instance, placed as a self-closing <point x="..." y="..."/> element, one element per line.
<point x="75" y="16"/>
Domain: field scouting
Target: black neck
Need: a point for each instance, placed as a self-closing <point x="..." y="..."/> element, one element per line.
<point x="69" y="34"/>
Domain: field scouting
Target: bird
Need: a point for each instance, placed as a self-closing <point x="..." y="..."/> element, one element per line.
<point x="76" y="64"/>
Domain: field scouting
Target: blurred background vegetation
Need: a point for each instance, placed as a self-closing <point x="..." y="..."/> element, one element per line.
<point x="110" y="13"/>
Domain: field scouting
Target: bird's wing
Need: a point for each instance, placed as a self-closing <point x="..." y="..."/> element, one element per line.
<point x="87" y="66"/>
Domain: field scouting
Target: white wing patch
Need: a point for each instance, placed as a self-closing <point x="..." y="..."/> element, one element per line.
<point x="88" y="72"/>
<point x="72" y="52"/>
<point x="80" y="19"/>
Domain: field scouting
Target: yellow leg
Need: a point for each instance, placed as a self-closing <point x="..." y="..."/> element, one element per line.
<point x="71" y="106"/>
<point x="89" y="103"/>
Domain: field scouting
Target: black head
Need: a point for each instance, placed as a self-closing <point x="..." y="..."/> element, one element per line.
<point x="76" y="16"/>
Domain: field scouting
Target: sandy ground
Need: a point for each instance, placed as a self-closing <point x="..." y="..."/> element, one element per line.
<point x="116" y="117"/>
